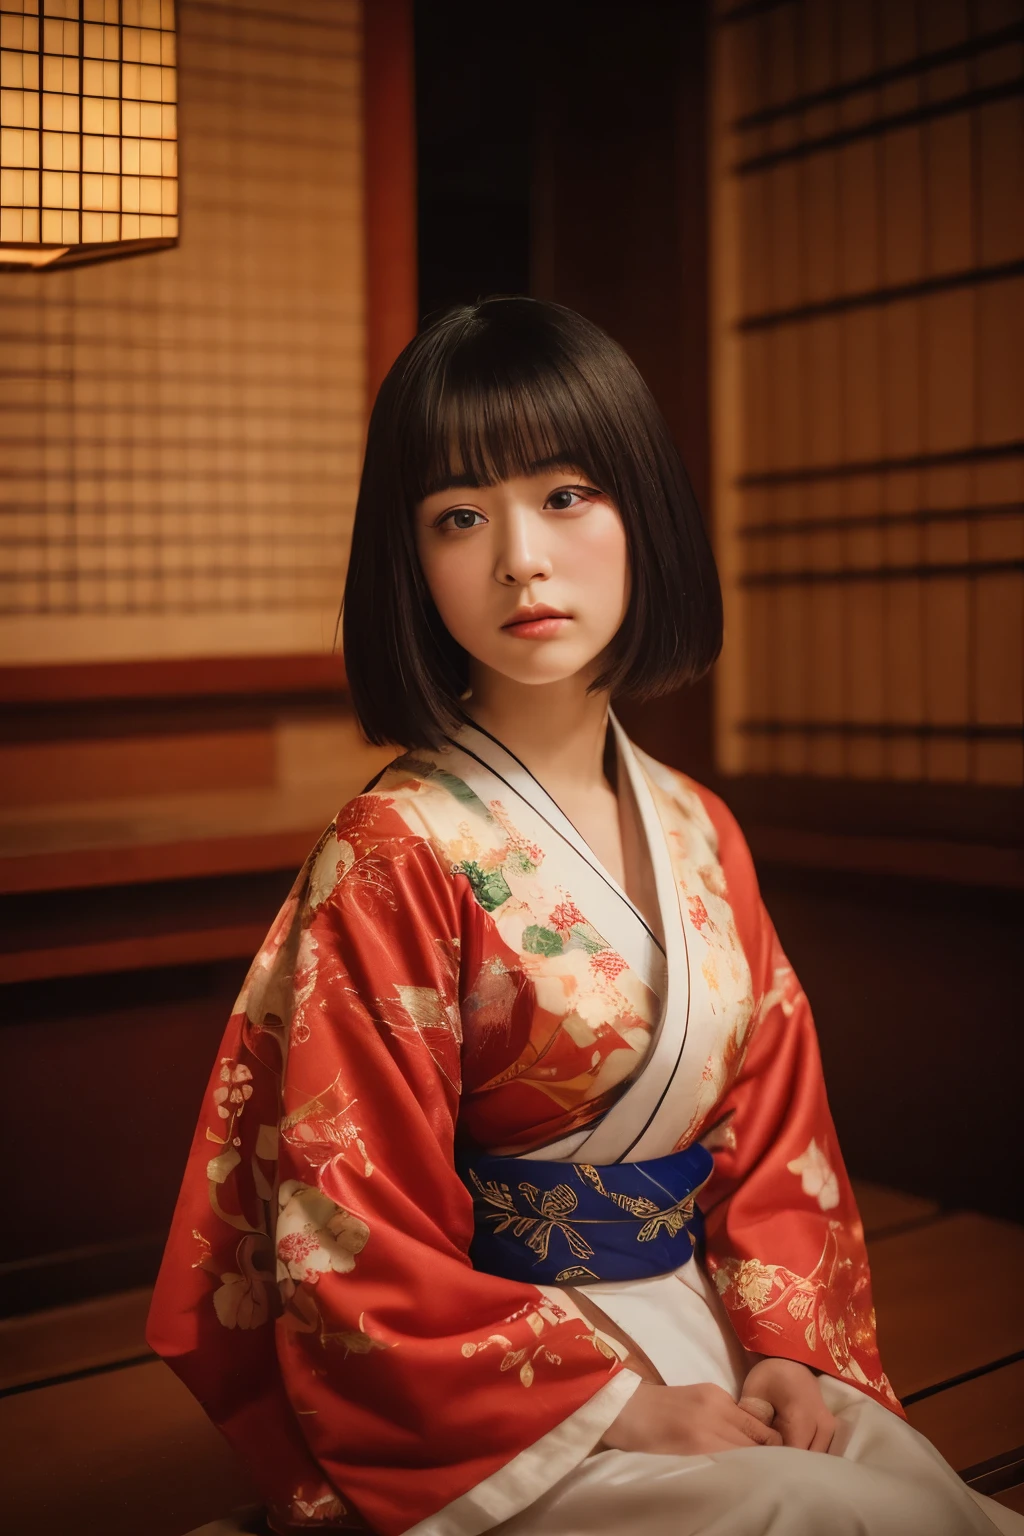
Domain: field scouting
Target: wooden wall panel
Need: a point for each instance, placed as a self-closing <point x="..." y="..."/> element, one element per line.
<point x="181" y="431"/>
<point x="41" y="773"/>
<point x="867" y="275"/>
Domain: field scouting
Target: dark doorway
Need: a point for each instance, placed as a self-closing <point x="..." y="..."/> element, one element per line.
<point x="474" y="115"/>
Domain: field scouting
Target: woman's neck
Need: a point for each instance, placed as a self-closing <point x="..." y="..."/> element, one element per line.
<point x="557" y="730"/>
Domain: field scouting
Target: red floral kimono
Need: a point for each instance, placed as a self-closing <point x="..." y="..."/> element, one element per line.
<point x="453" y="960"/>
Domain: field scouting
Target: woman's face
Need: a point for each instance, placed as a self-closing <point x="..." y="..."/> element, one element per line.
<point x="497" y="559"/>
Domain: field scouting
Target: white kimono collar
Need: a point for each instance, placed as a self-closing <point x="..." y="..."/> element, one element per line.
<point x="493" y="754"/>
<point x="630" y="1130"/>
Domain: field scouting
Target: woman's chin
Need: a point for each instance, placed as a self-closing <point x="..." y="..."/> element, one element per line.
<point x="541" y="671"/>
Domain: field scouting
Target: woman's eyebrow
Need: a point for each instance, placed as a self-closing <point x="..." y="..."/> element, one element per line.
<point x="469" y="482"/>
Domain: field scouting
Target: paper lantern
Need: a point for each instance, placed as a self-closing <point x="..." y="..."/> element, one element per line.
<point x="88" y="130"/>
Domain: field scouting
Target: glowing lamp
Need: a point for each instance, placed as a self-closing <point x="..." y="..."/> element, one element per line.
<point x="88" y="130"/>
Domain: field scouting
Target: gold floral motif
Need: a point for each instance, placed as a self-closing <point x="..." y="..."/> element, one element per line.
<point x="537" y="1318"/>
<point x="552" y="1207"/>
<point x="323" y="1129"/>
<point x="830" y="1298"/>
<point x="431" y="1015"/>
<point x="636" y="1205"/>
<point x="555" y="1206"/>
<point x="372" y="875"/>
<point x="749" y="1279"/>
<point x="354" y="1341"/>
<point x="671" y="1220"/>
<point x="601" y="1344"/>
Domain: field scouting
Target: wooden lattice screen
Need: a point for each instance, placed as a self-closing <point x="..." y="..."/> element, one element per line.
<point x="181" y="431"/>
<point x="868" y="292"/>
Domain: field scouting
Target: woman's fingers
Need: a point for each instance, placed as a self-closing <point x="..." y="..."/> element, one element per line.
<point x="805" y="1429"/>
<point x="730" y="1437"/>
<point x="690" y="1421"/>
<point x="797" y="1426"/>
<point x="755" y="1431"/>
<point x="760" y="1407"/>
<point x="826" y="1428"/>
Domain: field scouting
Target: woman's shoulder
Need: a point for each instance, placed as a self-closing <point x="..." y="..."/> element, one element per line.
<point x="389" y="806"/>
<point x="414" y="804"/>
<point x="382" y="840"/>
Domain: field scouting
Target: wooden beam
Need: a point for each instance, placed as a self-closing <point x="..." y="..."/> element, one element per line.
<point x="134" y="952"/>
<point x="390" y="185"/>
<point x="913" y="858"/>
<point x="191" y="677"/>
<point x="125" y="864"/>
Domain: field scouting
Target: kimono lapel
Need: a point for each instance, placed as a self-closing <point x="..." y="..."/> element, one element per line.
<point x="495" y="775"/>
<point x="638" y="1125"/>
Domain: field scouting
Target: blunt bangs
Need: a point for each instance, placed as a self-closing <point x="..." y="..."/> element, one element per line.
<point x="485" y="393"/>
<point x="499" y="407"/>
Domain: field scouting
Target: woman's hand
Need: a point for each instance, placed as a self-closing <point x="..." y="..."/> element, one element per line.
<point x="793" y="1392"/>
<point x="685" y="1421"/>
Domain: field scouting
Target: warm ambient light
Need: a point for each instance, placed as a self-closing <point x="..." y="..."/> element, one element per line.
<point x="88" y="130"/>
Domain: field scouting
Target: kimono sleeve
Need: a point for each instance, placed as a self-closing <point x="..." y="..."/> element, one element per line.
<point x="317" y="1293"/>
<point x="785" y="1243"/>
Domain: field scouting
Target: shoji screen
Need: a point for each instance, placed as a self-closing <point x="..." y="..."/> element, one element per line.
<point x="181" y="431"/>
<point x="868" y="269"/>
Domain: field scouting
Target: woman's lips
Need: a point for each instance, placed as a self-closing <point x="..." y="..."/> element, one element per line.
<point x="538" y="629"/>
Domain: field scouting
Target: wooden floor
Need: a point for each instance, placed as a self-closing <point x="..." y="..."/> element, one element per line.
<point x="100" y="1439"/>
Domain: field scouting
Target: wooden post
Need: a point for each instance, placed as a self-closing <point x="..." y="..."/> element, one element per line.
<point x="389" y="127"/>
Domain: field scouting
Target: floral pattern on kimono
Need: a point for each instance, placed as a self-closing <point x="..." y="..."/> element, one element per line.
<point x="435" y="973"/>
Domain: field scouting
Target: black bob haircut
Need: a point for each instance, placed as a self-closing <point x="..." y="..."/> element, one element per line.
<point x="490" y="389"/>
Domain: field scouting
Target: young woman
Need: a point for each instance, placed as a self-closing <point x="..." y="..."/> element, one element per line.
<point x="515" y="1203"/>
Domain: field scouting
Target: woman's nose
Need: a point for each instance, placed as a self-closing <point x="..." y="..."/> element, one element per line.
<point x="522" y="556"/>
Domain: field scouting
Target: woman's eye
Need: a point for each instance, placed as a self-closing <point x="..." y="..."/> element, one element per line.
<point x="460" y="517"/>
<point x="565" y="500"/>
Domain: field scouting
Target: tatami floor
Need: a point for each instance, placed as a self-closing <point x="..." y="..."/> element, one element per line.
<point x="100" y="1439"/>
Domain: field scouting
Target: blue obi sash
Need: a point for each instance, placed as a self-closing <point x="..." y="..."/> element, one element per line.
<point x="561" y="1223"/>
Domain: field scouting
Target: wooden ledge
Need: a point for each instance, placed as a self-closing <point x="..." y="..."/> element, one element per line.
<point x="971" y="1421"/>
<point x="179" y="859"/>
<point x="184" y="677"/>
<point x="158" y="923"/>
<point x="964" y="834"/>
<point x="171" y="837"/>
<point x="138" y="952"/>
<point x="142" y="1457"/>
<point x="946" y="1299"/>
<point x="66" y="1341"/>
<point x="912" y="858"/>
